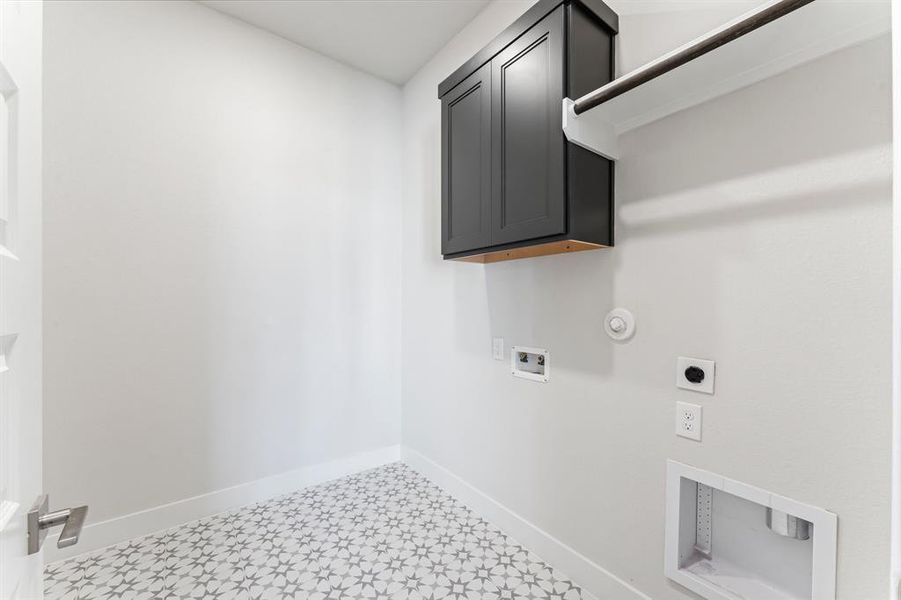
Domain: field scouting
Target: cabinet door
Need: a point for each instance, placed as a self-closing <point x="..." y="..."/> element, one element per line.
<point x="466" y="164"/>
<point x="528" y="147"/>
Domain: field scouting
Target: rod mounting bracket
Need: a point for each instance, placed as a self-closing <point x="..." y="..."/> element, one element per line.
<point x="590" y="131"/>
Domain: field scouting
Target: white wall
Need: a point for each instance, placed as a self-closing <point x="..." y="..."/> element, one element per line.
<point x="754" y="230"/>
<point x="896" y="302"/>
<point x="222" y="289"/>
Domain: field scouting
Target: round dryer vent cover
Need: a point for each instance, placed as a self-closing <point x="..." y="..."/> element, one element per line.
<point x="619" y="324"/>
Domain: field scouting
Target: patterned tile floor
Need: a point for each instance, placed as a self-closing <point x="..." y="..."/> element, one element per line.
<point x="384" y="533"/>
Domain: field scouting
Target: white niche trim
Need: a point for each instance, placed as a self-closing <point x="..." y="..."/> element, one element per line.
<point x="718" y="543"/>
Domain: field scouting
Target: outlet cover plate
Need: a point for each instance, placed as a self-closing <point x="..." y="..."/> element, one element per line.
<point x="497" y="348"/>
<point x="688" y="420"/>
<point x="709" y="368"/>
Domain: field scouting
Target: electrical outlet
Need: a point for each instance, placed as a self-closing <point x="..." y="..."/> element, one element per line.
<point x="688" y="420"/>
<point x="497" y="348"/>
<point x="695" y="374"/>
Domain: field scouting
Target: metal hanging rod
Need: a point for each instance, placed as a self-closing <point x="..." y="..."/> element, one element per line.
<point x="732" y="31"/>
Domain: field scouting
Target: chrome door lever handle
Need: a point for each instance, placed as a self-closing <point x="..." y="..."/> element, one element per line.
<point x="40" y="520"/>
<point x="74" y="521"/>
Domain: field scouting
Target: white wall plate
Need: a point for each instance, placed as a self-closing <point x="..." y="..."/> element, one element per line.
<point x="689" y="420"/>
<point x="705" y="386"/>
<point x="497" y="348"/>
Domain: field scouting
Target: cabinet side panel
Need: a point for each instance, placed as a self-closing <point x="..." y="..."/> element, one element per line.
<point x="589" y="53"/>
<point x="590" y="183"/>
<point x="589" y="65"/>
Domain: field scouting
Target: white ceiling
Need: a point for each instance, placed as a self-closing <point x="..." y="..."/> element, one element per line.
<point x="390" y="39"/>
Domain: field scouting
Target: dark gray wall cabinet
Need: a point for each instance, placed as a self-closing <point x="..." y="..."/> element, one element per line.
<point x="512" y="186"/>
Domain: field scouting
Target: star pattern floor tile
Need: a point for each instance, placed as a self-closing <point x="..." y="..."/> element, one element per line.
<point x="384" y="533"/>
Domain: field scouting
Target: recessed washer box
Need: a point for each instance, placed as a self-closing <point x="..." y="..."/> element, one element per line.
<point x="530" y="363"/>
<point x="726" y="540"/>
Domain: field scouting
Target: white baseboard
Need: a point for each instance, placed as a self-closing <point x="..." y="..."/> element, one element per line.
<point x="106" y="533"/>
<point x="592" y="577"/>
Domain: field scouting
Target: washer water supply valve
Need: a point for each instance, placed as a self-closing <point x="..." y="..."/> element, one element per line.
<point x="530" y="363"/>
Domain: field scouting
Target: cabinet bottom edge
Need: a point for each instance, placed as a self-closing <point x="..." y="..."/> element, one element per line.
<point x="556" y="247"/>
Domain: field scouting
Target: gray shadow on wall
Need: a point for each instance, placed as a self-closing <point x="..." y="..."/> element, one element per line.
<point x="772" y="207"/>
<point x="768" y="126"/>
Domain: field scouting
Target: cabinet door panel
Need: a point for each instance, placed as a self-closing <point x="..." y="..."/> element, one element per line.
<point x="466" y="164"/>
<point x="528" y="147"/>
